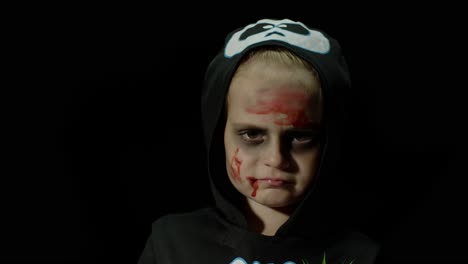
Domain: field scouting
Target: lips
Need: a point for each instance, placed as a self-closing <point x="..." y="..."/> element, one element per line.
<point x="273" y="182"/>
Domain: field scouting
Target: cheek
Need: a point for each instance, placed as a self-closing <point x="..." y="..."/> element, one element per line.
<point x="308" y="164"/>
<point x="241" y="163"/>
<point x="235" y="165"/>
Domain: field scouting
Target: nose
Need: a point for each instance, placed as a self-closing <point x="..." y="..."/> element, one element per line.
<point x="275" y="156"/>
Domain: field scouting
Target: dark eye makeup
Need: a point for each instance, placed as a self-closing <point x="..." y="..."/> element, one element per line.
<point x="299" y="137"/>
<point x="252" y="135"/>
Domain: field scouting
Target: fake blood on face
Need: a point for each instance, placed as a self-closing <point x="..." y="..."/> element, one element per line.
<point x="290" y="105"/>
<point x="235" y="165"/>
<point x="254" y="183"/>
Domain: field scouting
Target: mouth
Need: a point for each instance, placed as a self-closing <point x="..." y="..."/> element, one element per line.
<point x="269" y="182"/>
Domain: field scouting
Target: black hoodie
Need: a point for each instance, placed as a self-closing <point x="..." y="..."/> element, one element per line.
<point x="315" y="232"/>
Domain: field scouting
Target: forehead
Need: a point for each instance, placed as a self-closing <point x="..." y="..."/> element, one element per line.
<point x="258" y="78"/>
<point x="265" y="93"/>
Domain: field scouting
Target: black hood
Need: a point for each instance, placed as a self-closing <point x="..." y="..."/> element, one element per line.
<point x="320" y="207"/>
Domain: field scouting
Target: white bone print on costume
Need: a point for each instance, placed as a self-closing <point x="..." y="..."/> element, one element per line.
<point x="285" y="30"/>
<point x="240" y="260"/>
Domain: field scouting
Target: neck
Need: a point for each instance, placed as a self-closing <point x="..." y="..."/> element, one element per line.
<point x="266" y="220"/>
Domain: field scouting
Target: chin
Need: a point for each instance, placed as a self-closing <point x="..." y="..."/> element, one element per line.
<point x="275" y="200"/>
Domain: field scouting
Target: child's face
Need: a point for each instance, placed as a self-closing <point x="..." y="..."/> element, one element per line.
<point x="271" y="134"/>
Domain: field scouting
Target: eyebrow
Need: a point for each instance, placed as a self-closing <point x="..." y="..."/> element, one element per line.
<point x="311" y="126"/>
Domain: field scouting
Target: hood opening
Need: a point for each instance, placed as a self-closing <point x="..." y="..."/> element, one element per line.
<point x="321" y="205"/>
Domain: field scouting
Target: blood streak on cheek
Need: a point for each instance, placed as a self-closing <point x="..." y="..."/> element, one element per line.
<point x="235" y="165"/>
<point x="254" y="183"/>
<point x="255" y="188"/>
<point x="290" y="105"/>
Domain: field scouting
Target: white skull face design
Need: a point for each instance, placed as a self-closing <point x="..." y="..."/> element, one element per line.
<point x="285" y="30"/>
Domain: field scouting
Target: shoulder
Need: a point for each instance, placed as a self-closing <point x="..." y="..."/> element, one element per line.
<point x="187" y="223"/>
<point x="182" y="219"/>
<point x="172" y="232"/>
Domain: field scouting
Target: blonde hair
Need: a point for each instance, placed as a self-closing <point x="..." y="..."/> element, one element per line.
<point x="280" y="55"/>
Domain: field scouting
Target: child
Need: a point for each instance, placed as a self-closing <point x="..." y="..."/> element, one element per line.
<point x="272" y="109"/>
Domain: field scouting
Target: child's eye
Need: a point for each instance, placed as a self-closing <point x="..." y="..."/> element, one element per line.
<point x="251" y="135"/>
<point x="303" y="138"/>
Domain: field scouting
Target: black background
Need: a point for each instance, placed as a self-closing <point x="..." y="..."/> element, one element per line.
<point x="103" y="126"/>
